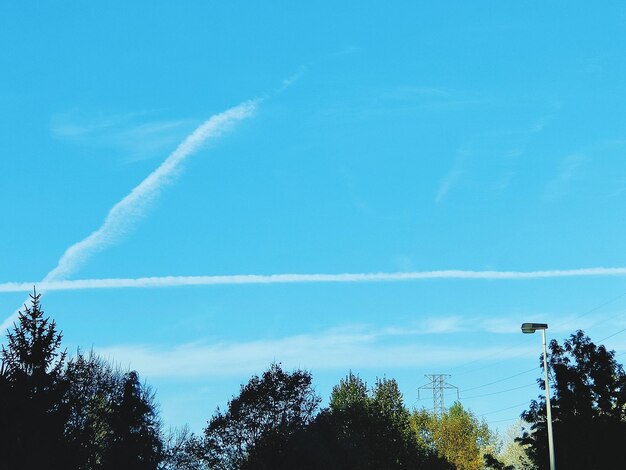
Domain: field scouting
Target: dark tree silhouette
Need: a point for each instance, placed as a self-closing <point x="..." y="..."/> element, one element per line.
<point x="180" y="450"/>
<point x="254" y="430"/>
<point x="31" y="391"/>
<point x="134" y="428"/>
<point x="493" y="463"/>
<point x="588" y="408"/>
<point x="361" y="430"/>
<point x="112" y="420"/>
<point x="77" y="414"/>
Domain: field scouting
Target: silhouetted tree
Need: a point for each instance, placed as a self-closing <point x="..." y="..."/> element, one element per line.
<point x="134" y="428"/>
<point x="361" y="430"/>
<point x="180" y="450"/>
<point x="588" y="408"/>
<point x="79" y="414"/>
<point x="254" y="430"/>
<point x="112" y="420"/>
<point x="372" y="430"/>
<point x="32" y="412"/>
<point x="492" y="463"/>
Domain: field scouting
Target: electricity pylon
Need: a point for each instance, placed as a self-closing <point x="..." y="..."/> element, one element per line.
<point x="438" y="384"/>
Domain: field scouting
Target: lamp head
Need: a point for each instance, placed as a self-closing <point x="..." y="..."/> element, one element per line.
<point x="532" y="327"/>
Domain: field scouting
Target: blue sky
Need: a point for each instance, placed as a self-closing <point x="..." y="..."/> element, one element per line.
<point x="280" y="138"/>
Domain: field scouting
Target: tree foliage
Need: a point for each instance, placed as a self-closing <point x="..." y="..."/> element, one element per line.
<point x="514" y="453"/>
<point x="77" y="414"/>
<point x="457" y="435"/>
<point x="588" y="408"/>
<point x="112" y="420"/>
<point x="31" y="401"/>
<point x="260" y="420"/>
<point x="370" y="429"/>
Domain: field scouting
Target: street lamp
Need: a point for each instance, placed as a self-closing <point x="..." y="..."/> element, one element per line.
<point x="531" y="328"/>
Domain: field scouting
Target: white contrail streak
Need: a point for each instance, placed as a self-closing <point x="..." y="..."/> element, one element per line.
<point x="127" y="211"/>
<point x="123" y="214"/>
<point x="177" y="281"/>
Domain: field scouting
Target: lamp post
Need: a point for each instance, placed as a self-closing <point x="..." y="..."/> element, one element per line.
<point x="531" y="328"/>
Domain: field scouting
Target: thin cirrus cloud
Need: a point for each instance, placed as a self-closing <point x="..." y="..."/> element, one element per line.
<point x="123" y="215"/>
<point x="128" y="134"/>
<point x="569" y="172"/>
<point x="332" y="349"/>
<point x="54" y="281"/>
<point x="498" y="152"/>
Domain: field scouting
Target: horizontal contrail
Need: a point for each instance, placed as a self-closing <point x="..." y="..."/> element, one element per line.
<point x="177" y="281"/>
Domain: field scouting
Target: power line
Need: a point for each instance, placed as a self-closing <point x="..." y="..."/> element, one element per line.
<point x="501" y="380"/>
<point x="503" y="409"/>
<point x="610" y="336"/>
<point x="501" y="391"/>
<point x="606" y="319"/>
<point x="558" y="325"/>
<point x="504" y="420"/>
<point x="493" y="353"/>
<point x="604" y="304"/>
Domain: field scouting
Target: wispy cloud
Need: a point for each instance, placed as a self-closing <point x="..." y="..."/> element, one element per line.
<point x="289" y="81"/>
<point x="332" y="349"/>
<point x="449" y="181"/>
<point x="569" y="171"/>
<point x="489" y="160"/>
<point x="86" y="247"/>
<point x="123" y="215"/>
<point x="129" y="134"/>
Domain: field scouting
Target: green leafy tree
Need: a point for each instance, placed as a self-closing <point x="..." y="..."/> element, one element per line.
<point x="371" y="429"/>
<point x="513" y="453"/>
<point x="492" y="463"/>
<point x="112" y="420"/>
<point x="32" y="387"/>
<point x="91" y="384"/>
<point x="351" y="392"/>
<point x="457" y="435"/>
<point x="259" y="422"/>
<point x="588" y="408"/>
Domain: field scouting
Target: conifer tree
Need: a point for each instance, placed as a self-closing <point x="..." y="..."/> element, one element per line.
<point x="33" y="412"/>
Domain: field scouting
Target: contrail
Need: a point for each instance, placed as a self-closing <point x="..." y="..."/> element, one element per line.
<point x="127" y="211"/>
<point x="177" y="281"/>
<point x="123" y="214"/>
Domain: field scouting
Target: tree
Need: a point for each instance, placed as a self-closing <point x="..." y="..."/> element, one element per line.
<point x="112" y="420"/>
<point x="33" y="412"/>
<point x="77" y="414"/>
<point x="588" y="408"/>
<point x="457" y="435"/>
<point x="492" y="463"/>
<point x="255" y="429"/>
<point x="513" y="453"/>
<point x="134" y="428"/>
<point x="180" y="450"/>
<point x="368" y="429"/>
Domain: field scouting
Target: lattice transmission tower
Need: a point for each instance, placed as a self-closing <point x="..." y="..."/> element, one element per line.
<point x="438" y="384"/>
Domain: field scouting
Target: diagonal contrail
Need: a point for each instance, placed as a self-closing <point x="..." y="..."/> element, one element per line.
<point x="126" y="212"/>
<point x="177" y="281"/>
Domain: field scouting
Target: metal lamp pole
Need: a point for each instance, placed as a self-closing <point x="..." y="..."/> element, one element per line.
<point x="531" y="328"/>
